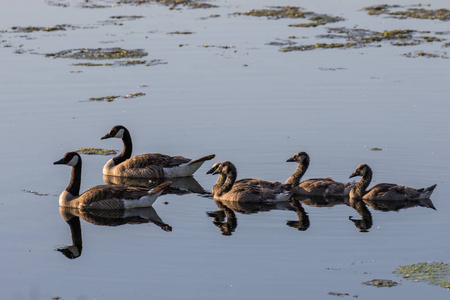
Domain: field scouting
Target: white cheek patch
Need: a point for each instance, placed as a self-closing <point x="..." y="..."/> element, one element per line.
<point x="73" y="162"/>
<point x="119" y="134"/>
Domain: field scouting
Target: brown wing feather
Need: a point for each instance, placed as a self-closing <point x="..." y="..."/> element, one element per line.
<point x="154" y="159"/>
<point x="103" y="195"/>
<point x="390" y="191"/>
<point x="320" y="187"/>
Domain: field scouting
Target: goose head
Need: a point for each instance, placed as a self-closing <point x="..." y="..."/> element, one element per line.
<point x="224" y="168"/>
<point x="117" y="132"/>
<point x="70" y="159"/>
<point x="213" y="168"/>
<point x="300" y="158"/>
<point x="361" y="170"/>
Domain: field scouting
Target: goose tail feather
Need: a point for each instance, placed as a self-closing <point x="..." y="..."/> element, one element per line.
<point x="426" y="193"/>
<point x="202" y="159"/>
<point x="160" y="188"/>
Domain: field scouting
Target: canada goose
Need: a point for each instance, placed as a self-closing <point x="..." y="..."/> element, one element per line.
<point x="384" y="191"/>
<point x="245" y="190"/>
<point x="323" y="187"/>
<point x="103" y="196"/>
<point x="150" y="165"/>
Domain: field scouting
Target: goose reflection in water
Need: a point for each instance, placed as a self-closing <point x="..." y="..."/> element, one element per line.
<point x="180" y="185"/>
<point x="225" y="218"/>
<point x="104" y="218"/>
<point x="366" y="222"/>
<point x="302" y="223"/>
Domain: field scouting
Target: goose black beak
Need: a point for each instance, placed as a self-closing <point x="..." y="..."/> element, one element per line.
<point x="107" y="136"/>
<point x="290" y="160"/>
<point x="353" y="175"/>
<point x="60" y="162"/>
<point x="211" y="171"/>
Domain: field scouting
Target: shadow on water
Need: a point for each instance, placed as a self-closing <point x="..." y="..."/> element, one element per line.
<point x="104" y="218"/>
<point x="180" y="185"/>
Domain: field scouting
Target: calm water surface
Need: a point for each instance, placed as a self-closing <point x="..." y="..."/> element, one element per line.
<point x="248" y="103"/>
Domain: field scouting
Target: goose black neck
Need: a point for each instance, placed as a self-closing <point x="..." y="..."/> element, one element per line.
<point x="295" y="178"/>
<point x="127" y="148"/>
<point x="75" y="181"/>
<point x="75" y="229"/>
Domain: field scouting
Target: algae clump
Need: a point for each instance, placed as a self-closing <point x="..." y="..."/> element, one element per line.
<point x="97" y="151"/>
<point x="380" y="283"/>
<point x="435" y="273"/>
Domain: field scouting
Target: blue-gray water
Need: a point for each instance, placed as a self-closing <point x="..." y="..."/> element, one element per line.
<point x="250" y="104"/>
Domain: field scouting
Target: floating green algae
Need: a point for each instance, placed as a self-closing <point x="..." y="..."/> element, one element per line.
<point x="104" y="98"/>
<point x="292" y="12"/>
<point x="277" y="12"/>
<point x="98" y="53"/>
<point x="124" y="63"/>
<point x="133" y="95"/>
<point x="423" y="54"/>
<point x="380" y="283"/>
<point x="112" y="98"/>
<point x="29" y="29"/>
<point x="35" y="192"/>
<point x="172" y="3"/>
<point x="415" y="13"/>
<point x="180" y="32"/>
<point x="96" y="151"/>
<point x="317" y="46"/>
<point x="126" y="17"/>
<point x="435" y="273"/>
<point x="357" y="38"/>
<point x="318" y="20"/>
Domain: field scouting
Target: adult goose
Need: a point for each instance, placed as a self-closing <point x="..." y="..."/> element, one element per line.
<point x="151" y="165"/>
<point x="323" y="187"/>
<point x="227" y="188"/>
<point x="384" y="191"/>
<point x="103" y="196"/>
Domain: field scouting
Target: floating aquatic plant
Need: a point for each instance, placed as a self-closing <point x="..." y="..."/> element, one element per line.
<point x="171" y="3"/>
<point x="98" y="53"/>
<point x="416" y="13"/>
<point x="35" y="192"/>
<point x="435" y="273"/>
<point x="380" y="283"/>
<point x="97" y="151"/>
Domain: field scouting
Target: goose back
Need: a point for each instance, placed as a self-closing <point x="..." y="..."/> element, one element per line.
<point x="248" y="189"/>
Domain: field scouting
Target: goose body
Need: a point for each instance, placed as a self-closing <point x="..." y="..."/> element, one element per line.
<point x="150" y="165"/>
<point x="104" y="196"/>
<point x="323" y="187"/>
<point x="384" y="191"/>
<point x="227" y="188"/>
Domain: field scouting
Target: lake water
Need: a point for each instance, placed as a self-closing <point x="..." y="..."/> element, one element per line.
<point x="224" y="89"/>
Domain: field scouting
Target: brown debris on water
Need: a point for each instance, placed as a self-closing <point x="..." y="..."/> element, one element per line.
<point x="357" y="38"/>
<point x="292" y="12"/>
<point x="380" y="283"/>
<point x="96" y="151"/>
<point x="393" y="11"/>
<point x="29" y="29"/>
<point x="114" y="97"/>
<point x="98" y="53"/>
<point x="172" y="3"/>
